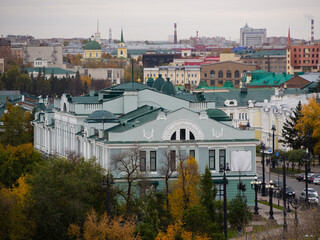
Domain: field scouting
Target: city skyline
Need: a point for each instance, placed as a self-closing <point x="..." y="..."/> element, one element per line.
<point x="141" y="20"/>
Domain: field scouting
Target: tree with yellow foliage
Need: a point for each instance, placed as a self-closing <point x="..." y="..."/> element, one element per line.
<point x="15" y="224"/>
<point x="185" y="189"/>
<point x="175" y="231"/>
<point x="86" y="83"/>
<point x="310" y="121"/>
<point x="100" y="228"/>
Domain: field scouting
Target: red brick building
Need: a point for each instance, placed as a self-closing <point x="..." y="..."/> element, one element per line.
<point x="5" y="48"/>
<point x="303" y="58"/>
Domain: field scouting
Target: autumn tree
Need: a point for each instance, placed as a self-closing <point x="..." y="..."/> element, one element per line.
<point x="185" y="189"/>
<point x="103" y="227"/>
<point x="62" y="192"/>
<point x="86" y="83"/>
<point x="17" y="128"/>
<point x="130" y="166"/>
<point x="310" y="122"/>
<point x="16" y="161"/>
<point x="15" y="224"/>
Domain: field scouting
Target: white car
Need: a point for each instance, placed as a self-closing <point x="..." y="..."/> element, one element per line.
<point x="316" y="180"/>
<point x="311" y="190"/>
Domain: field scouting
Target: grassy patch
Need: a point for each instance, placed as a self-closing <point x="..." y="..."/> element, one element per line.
<point x="273" y="205"/>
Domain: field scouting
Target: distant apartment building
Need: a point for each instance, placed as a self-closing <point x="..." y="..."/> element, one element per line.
<point x="17" y="52"/>
<point x="53" y="54"/>
<point x="217" y="74"/>
<point x="112" y="74"/>
<point x="5" y="48"/>
<point x="271" y="61"/>
<point x="303" y="58"/>
<point x="179" y="75"/>
<point x="155" y="60"/>
<point x="1" y="65"/>
<point x="250" y="37"/>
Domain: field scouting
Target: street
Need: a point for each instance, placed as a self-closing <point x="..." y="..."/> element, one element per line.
<point x="292" y="182"/>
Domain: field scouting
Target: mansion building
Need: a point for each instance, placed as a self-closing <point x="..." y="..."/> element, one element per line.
<point x="132" y="115"/>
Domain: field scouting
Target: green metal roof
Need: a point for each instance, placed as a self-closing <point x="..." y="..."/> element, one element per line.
<point x="266" y="53"/>
<point x="92" y="45"/>
<point x="218" y="115"/>
<point x="158" y="83"/>
<point x="168" y="88"/>
<point x="85" y="99"/>
<point x="268" y="79"/>
<point x="101" y="115"/>
<point x="135" y="119"/>
<point x="228" y="84"/>
<point x="128" y="86"/>
<point x="50" y="71"/>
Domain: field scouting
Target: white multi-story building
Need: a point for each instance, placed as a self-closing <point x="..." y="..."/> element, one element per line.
<point x="179" y="75"/>
<point x="250" y="37"/>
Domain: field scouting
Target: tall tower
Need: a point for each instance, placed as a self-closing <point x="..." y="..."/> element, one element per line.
<point x="110" y="35"/>
<point x="175" y="34"/>
<point x="312" y="30"/>
<point x="122" y="49"/>
<point x="289" y="38"/>
<point x="97" y="35"/>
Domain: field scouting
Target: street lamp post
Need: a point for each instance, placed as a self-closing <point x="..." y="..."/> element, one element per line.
<point x="285" y="226"/>
<point x="106" y="183"/>
<point x="270" y="187"/>
<point x="273" y="129"/>
<point x="223" y="169"/>
<point x="254" y="185"/>
<point x="263" y="148"/>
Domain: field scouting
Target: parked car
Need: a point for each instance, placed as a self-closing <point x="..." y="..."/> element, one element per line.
<point x="310" y="177"/>
<point x="316" y="180"/>
<point x="312" y="198"/>
<point x="290" y="192"/>
<point x="311" y="190"/>
<point x="317" y="176"/>
<point x="300" y="176"/>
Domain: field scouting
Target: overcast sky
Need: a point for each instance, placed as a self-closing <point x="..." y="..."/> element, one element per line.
<point x="153" y="20"/>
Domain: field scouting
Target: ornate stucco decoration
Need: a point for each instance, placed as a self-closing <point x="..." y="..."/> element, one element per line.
<point x="203" y="115"/>
<point x="148" y="134"/>
<point x="182" y="124"/>
<point x="217" y="133"/>
<point x="162" y="116"/>
<point x="231" y="103"/>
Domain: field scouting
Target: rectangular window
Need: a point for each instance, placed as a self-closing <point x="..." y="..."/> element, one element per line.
<point x="222" y="157"/>
<point x="212" y="163"/>
<point x="142" y="157"/>
<point x="219" y="195"/>
<point x="153" y="161"/>
<point x="182" y="134"/>
<point x="192" y="153"/>
<point x="173" y="160"/>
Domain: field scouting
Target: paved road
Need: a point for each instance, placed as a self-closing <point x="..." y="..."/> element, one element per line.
<point x="292" y="182"/>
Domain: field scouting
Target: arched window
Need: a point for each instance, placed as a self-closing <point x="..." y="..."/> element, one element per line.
<point x="236" y="74"/>
<point x="220" y="74"/>
<point x="174" y="136"/>
<point x="212" y="74"/>
<point x="228" y="74"/>
<point x="205" y="74"/>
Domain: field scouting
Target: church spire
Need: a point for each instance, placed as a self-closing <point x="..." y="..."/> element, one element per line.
<point x="289" y="38"/>
<point x="97" y="25"/>
<point x="122" y="36"/>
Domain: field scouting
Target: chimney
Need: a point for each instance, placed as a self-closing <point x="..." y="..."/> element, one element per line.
<point x="175" y="34"/>
<point x="312" y="30"/>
